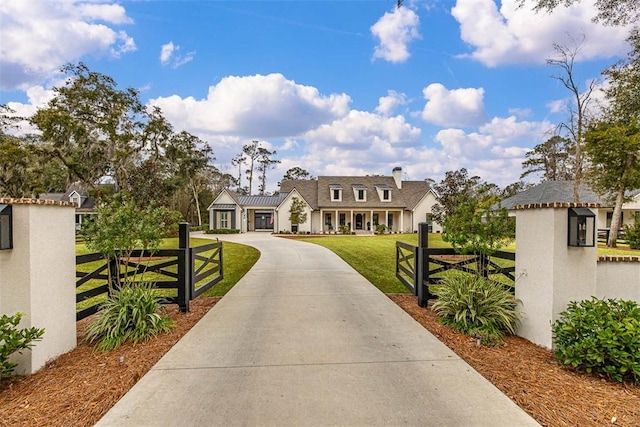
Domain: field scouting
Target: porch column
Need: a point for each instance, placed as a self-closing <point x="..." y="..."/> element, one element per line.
<point x="337" y="222"/>
<point x="386" y="219"/>
<point x="371" y="221"/>
<point x="351" y="226"/>
<point x="401" y="222"/>
<point x="322" y="220"/>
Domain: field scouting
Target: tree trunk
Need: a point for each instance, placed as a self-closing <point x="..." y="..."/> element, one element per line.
<point x="195" y="196"/>
<point x="616" y="218"/>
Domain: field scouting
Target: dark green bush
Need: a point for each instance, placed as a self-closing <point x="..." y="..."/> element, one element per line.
<point x="476" y="306"/>
<point x="130" y="314"/>
<point x="632" y="235"/>
<point x="600" y="336"/>
<point x="223" y="231"/>
<point x="14" y="340"/>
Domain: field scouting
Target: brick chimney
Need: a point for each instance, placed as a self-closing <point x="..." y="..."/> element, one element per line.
<point x="397" y="176"/>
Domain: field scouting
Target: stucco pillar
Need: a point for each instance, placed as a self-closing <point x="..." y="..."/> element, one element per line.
<point x="37" y="277"/>
<point x="549" y="273"/>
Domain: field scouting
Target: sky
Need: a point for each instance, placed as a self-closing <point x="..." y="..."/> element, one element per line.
<point x="334" y="87"/>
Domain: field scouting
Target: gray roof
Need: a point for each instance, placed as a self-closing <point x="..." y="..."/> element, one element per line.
<point x="258" y="200"/>
<point x="414" y="191"/>
<point x="550" y="192"/>
<point x="307" y="188"/>
<point x="222" y="206"/>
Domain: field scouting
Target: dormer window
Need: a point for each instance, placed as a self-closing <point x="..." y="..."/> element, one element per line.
<point x="384" y="192"/>
<point x="360" y="193"/>
<point x="75" y="199"/>
<point x="336" y="192"/>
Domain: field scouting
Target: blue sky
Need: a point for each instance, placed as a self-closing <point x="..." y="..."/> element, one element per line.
<point x="336" y="87"/>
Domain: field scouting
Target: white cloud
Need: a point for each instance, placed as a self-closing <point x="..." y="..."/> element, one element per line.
<point x="513" y="35"/>
<point x="362" y="130"/>
<point x="394" y="31"/>
<point x="166" y="51"/>
<point x="509" y="129"/>
<point x="255" y="107"/>
<point x="37" y="97"/>
<point x="38" y="37"/>
<point x="169" y="55"/>
<point x="386" y="104"/>
<point x="456" y="107"/>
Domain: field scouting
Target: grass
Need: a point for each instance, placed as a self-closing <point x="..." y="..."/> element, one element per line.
<point x="237" y="260"/>
<point x="374" y="256"/>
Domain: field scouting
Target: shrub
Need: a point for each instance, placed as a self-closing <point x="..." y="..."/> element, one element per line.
<point x="632" y="235"/>
<point x="223" y="231"/>
<point x="14" y="340"/>
<point x="600" y="336"/>
<point x="344" y="229"/>
<point x="130" y="314"/>
<point x="476" y="306"/>
<point x="381" y="228"/>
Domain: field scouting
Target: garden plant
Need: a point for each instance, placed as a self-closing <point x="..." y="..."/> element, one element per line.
<point x="14" y="340"/>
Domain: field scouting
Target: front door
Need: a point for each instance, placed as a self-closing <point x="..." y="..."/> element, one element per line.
<point x="263" y="221"/>
<point x="359" y="221"/>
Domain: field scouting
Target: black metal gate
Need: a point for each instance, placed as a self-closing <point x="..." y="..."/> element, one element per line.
<point x="185" y="273"/>
<point x="417" y="267"/>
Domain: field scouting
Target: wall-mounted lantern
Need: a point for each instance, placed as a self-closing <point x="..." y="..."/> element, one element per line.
<point x="6" y="227"/>
<point x="582" y="227"/>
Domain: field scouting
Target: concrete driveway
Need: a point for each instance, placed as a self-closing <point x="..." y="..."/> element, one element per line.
<point x="303" y="339"/>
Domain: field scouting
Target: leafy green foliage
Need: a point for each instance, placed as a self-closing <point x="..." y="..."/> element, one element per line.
<point x="13" y="339"/>
<point x="223" y="231"/>
<point x="600" y="336"/>
<point x="475" y="228"/>
<point x="297" y="214"/>
<point x="632" y="235"/>
<point x="476" y="306"/>
<point x="130" y="314"/>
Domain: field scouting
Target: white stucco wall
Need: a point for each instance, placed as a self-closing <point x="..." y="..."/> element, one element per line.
<point x="618" y="279"/>
<point x="282" y="218"/>
<point x="37" y="277"/>
<point x="549" y="274"/>
<point x="422" y="209"/>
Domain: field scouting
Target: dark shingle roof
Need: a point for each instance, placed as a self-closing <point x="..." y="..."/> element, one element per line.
<point x="550" y="192"/>
<point x="413" y="192"/>
<point x="369" y="183"/>
<point x="308" y="189"/>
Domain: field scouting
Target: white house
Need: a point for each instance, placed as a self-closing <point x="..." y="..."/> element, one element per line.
<point x="358" y="202"/>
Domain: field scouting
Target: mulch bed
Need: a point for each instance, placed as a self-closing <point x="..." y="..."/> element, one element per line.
<point x="532" y="378"/>
<point x="80" y="386"/>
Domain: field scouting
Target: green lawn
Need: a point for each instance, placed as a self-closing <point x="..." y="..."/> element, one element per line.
<point x="374" y="256"/>
<point x="237" y="260"/>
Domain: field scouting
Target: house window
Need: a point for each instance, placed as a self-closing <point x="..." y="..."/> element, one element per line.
<point x="336" y="194"/>
<point x="376" y="220"/>
<point x="609" y="219"/>
<point x="343" y="219"/>
<point x="361" y="195"/>
<point x="390" y="221"/>
<point x="636" y="217"/>
<point x="386" y="195"/>
<point x="224" y="219"/>
<point x="327" y="221"/>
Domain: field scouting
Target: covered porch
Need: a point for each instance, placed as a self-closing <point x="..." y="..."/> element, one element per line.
<point x="361" y="219"/>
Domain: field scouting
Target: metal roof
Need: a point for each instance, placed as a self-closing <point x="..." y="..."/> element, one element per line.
<point x="223" y="206"/>
<point x="249" y="201"/>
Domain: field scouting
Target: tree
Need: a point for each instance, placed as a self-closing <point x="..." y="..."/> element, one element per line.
<point x="251" y="154"/>
<point x="456" y="187"/>
<point x="613" y="141"/>
<point x="25" y="170"/>
<point x="551" y="158"/>
<point x="265" y="162"/>
<point x="92" y="127"/>
<point x="515" y="188"/>
<point x="238" y="161"/>
<point x="297" y="214"/>
<point x="297" y="172"/>
<point x="614" y="150"/>
<point x="610" y="12"/>
<point x="564" y="59"/>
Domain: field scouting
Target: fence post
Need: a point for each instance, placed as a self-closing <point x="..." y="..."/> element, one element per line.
<point x="422" y="265"/>
<point x="184" y="267"/>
